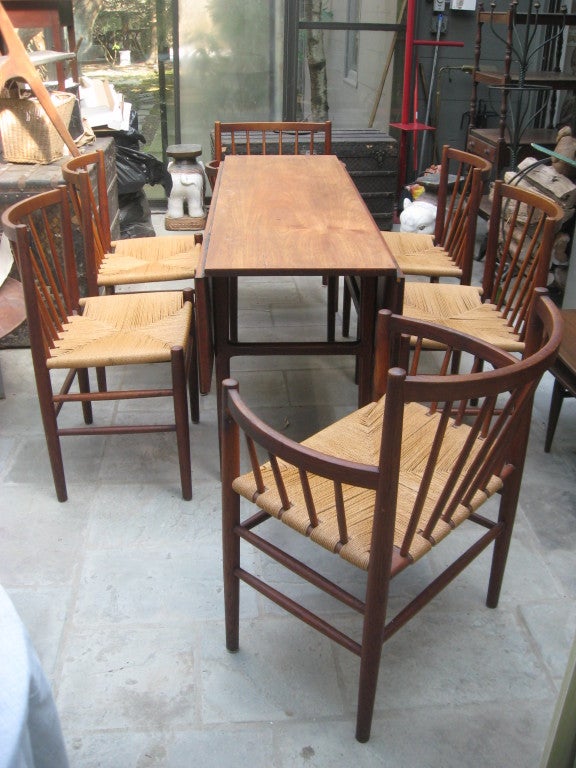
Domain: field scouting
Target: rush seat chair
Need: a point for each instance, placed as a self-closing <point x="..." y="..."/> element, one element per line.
<point x="69" y="335"/>
<point x="521" y="234"/>
<point x="385" y="485"/>
<point x="449" y="253"/>
<point x="131" y="261"/>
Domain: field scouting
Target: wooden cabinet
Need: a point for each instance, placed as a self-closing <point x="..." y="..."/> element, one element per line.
<point x="524" y="84"/>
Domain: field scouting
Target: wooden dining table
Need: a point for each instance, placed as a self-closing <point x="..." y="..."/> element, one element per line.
<point x="288" y="215"/>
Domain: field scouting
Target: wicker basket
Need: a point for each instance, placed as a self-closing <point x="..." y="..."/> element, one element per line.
<point x="28" y="135"/>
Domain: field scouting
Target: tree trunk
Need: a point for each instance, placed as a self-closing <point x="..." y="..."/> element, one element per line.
<point x="316" y="58"/>
<point x="85" y="14"/>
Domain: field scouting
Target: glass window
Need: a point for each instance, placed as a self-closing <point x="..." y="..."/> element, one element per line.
<point x="231" y="54"/>
<point x="352" y="39"/>
<point x="332" y="58"/>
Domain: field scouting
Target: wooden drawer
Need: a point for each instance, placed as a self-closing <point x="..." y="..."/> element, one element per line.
<point x="481" y="147"/>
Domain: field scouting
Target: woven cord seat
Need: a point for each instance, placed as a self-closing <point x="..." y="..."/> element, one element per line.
<point x="127" y="329"/>
<point x="417" y="255"/>
<point x="150" y="260"/>
<point x="356" y="438"/>
<point x="384" y="485"/>
<point x="461" y="309"/>
<point x="67" y="332"/>
<point x="517" y="261"/>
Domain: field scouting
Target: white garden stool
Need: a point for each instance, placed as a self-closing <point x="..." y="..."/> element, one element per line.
<point x="186" y="202"/>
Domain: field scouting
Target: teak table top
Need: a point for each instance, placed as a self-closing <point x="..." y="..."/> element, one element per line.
<point x="291" y="215"/>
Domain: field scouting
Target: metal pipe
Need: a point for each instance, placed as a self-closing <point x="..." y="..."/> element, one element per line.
<point x="431" y="89"/>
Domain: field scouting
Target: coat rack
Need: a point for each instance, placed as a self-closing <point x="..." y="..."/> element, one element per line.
<point x="409" y="118"/>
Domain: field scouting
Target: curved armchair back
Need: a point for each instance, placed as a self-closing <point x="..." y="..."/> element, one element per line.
<point x="386" y="484"/>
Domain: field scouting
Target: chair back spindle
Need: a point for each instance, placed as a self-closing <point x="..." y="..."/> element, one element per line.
<point x="522" y="228"/>
<point x="276" y="138"/>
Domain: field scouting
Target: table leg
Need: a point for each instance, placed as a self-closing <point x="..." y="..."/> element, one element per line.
<point x="222" y="318"/>
<point x="204" y="332"/>
<point x="366" y="333"/>
<point x="233" y="304"/>
<point x="559" y="392"/>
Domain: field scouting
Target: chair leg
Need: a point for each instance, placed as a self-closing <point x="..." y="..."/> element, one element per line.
<point x="84" y="385"/>
<point x="346" y="307"/>
<point x="230" y="447"/>
<point x="507" y="513"/>
<point x="193" y="366"/>
<point x="101" y="379"/>
<point x="558" y="395"/>
<point x="50" y="424"/>
<point x="181" y="420"/>
<point x="332" y="307"/>
<point x="374" y="621"/>
<point x="194" y="386"/>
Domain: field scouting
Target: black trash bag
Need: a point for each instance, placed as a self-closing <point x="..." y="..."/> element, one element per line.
<point x="132" y="137"/>
<point x="135" y="169"/>
<point x="135" y="216"/>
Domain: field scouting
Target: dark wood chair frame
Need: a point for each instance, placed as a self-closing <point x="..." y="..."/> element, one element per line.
<point x="503" y="455"/>
<point x="40" y="229"/>
<point x="85" y="178"/>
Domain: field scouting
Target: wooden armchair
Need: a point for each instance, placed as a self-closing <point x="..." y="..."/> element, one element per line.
<point x="69" y="335"/>
<point x="521" y="233"/>
<point x="450" y="252"/>
<point x="276" y="138"/>
<point x="381" y="487"/>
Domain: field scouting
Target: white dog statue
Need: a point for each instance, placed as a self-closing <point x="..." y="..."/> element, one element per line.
<point x="418" y="216"/>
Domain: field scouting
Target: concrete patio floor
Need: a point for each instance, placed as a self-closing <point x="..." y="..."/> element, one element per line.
<point x="121" y="590"/>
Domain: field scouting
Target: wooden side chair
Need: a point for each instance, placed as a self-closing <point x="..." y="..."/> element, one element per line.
<point x="277" y="138"/>
<point x="123" y="262"/>
<point x="460" y="187"/>
<point x="449" y="253"/>
<point x="17" y="63"/>
<point x="384" y="485"/>
<point x="133" y="261"/>
<point x="71" y="335"/>
<point x="273" y="138"/>
<point x="521" y="233"/>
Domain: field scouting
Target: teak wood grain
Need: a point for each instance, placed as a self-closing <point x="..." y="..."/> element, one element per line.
<point x="288" y="215"/>
<point x="291" y="215"/>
